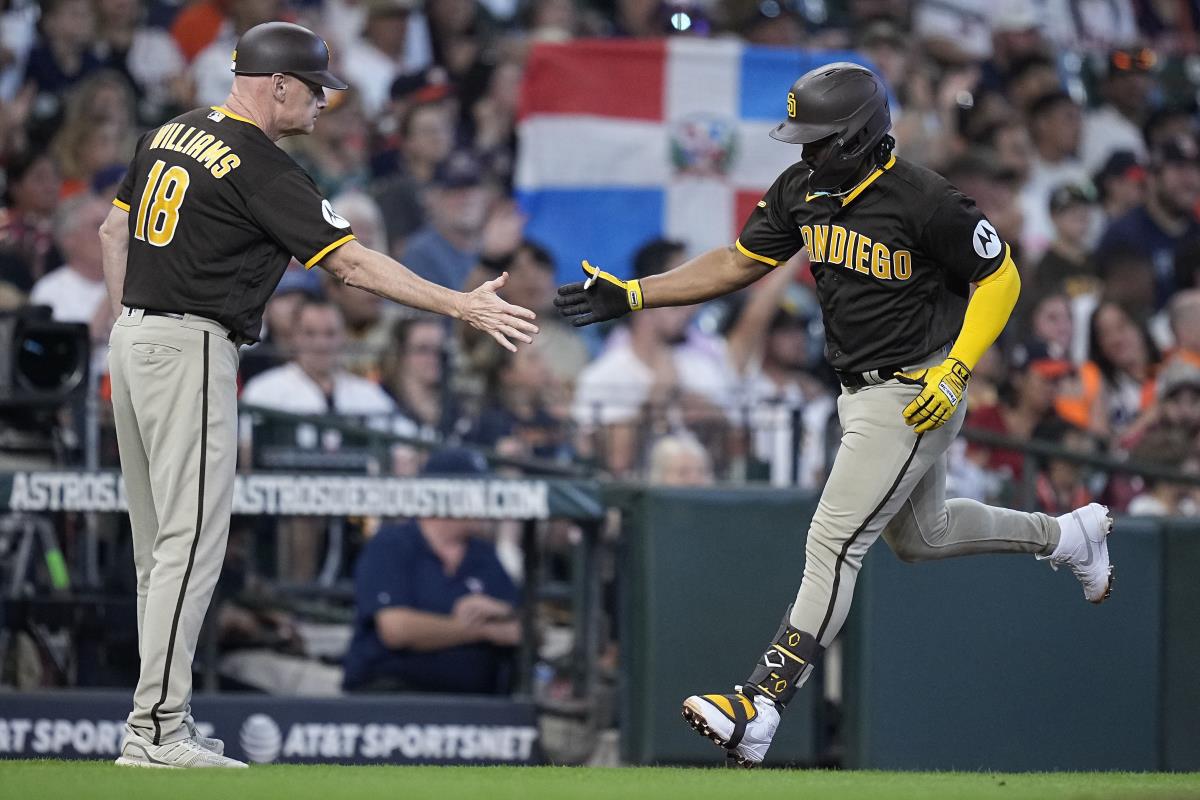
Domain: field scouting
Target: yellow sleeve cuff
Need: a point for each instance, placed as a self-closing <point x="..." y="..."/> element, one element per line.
<point x="121" y="205"/>
<point x="742" y="249"/>
<point x="987" y="312"/>
<point x="312" y="262"/>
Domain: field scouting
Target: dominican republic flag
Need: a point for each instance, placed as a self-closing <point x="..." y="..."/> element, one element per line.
<point x="623" y="141"/>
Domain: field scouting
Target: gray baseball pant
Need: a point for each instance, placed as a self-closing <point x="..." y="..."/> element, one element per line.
<point x="174" y="394"/>
<point x="888" y="480"/>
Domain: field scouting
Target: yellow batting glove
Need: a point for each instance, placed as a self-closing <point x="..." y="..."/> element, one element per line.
<point x="943" y="388"/>
<point x="601" y="297"/>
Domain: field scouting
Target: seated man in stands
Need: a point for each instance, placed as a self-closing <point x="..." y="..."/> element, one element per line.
<point x="434" y="609"/>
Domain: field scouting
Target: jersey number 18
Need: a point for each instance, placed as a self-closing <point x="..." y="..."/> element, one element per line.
<point x="158" y="210"/>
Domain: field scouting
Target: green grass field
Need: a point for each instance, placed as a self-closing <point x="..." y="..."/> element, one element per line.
<point x="63" y="779"/>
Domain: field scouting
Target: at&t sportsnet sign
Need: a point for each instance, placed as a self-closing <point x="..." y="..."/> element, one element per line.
<point x="379" y="729"/>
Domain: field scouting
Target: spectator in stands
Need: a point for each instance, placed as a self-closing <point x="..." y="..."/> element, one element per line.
<point x="381" y="55"/>
<point x="771" y="347"/>
<point x="447" y="249"/>
<point x="26" y="221"/>
<point x="1118" y="380"/>
<point x="1029" y="79"/>
<point x="638" y="19"/>
<point x="679" y="460"/>
<point x="655" y="374"/>
<point x="64" y="54"/>
<point x="1049" y="320"/>
<point x="426" y="134"/>
<point x="1026" y="402"/>
<point x="1184" y="315"/>
<point x="413" y="372"/>
<point x="1054" y="124"/>
<point x="279" y="321"/>
<point x="1164" y="448"/>
<point x="75" y="292"/>
<point x="1116" y="126"/>
<point x="98" y="130"/>
<point x="491" y="126"/>
<point x="1068" y="261"/>
<point x="434" y="609"/>
<point x="335" y="153"/>
<point x="524" y="410"/>
<point x="198" y="25"/>
<point x="1167" y="217"/>
<point x="209" y="70"/>
<point x="312" y="383"/>
<point x="1120" y="185"/>
<point x="147" y="56"/>
<point x="368" y="317"/>
<point x="983" y="175"/>
<point x="1061" y="485"/>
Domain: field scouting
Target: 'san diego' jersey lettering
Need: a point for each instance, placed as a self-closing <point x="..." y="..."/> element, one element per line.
<point x="216" y="212"/>
<point x="893" y="260"/>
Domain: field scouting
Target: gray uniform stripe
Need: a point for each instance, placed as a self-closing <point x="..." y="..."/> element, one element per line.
<point x="841" y="558"/>
<point x="187" y="574"/>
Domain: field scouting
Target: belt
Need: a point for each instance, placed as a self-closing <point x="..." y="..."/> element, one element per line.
<point x="237" y="339"/>
<point x="857" y="380"/>
<point x="147" y="312"/>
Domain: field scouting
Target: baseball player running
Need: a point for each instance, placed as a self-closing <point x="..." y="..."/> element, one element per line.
<point x="204" y="225"/>
<point x="895" y="252"/>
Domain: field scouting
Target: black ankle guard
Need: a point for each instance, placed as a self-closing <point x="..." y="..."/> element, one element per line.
<point x="785" y="665"/>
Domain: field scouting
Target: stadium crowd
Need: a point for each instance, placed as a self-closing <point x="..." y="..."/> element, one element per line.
<point x="1073" y="123"/>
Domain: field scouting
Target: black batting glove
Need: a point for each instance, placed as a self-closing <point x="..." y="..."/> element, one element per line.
<point x="601" y="297"/>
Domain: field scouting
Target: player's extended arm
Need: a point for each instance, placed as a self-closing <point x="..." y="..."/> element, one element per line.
<point x="603" y="296"/>
<point x="364" y="268"/>
<point x="987" y="313"/>
<point x="114" y="252"/>
<point x="409" y="629"/>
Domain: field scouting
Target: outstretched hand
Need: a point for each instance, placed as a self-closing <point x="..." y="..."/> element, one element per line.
<point x="484" y="310"/>
<point x="598" y="299"/>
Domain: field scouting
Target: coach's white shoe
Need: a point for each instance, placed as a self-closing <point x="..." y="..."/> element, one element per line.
<point x="184" y="754"/>
<point x="1083" y="546"/>
<point x="207" y="742"/>
<point x="744" y="728"/>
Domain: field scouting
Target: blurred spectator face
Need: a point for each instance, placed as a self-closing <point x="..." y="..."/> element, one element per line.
<point x="1176" y="186"/>
<point x="1129" y="278"/>
<point x="101" y="147"/>
<point x="365" y="218"/>
<point x="1056" y="130"/>
<point x="1073" y="223"/>
<point x="422" y="356"/>
<point x="505" y="87"/>
<point x="1124" y="192"/>
<point x="318" y="339"/>
<point x="530" y="282"/>
<point x="1014" y="149"/>
<point x="670" y="324"/>
<point x="388" y="31"/>
<point x="1181" y="408"/>
<point x="787" y="344"/>
<point x="1119" y="338"/>
<point x="1185" y="319"/>
<point x="450" y="16"/>
<point x="36" y="192"/>
<point x="1129" y="92"/>
<point x="638" y="16"/>
<point x="1035" y="390"/>
<point x="118" y="13"/>
<point x="79" y="239"/>
<point x="248" y="13"/>
<point x="343" y="125"/>
<point x="884" y="46"/>
<point x="679" y="461"/>
<point x="1067" y="473"/>
<point x="526" y="372"/>
<point x="462" y="210"/>
<point x="1032" y="82"/>
<point x="554" y="18"/>
<point x="781" y="30"/>
<point x="69" y="22"/>
<point x="1052" y="322"/>
<point x="429" y="134"/>
<point x="280" y="318"/>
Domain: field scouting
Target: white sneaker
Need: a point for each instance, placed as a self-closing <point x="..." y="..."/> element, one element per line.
<point x="1083" y="546"/>
<point x="719" y="716"/>
<point x="207" y="742"/>
<point x="184" y="754"/>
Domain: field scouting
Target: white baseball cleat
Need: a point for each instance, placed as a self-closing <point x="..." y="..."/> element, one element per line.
<point x="744" y="728"/>
<point x="1083" y="546"/>
<point x="207" y="742"/>
<point x="184" y="754"/>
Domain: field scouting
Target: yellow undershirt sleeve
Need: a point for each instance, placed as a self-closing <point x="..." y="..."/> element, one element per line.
<point x="987" y="312"/>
